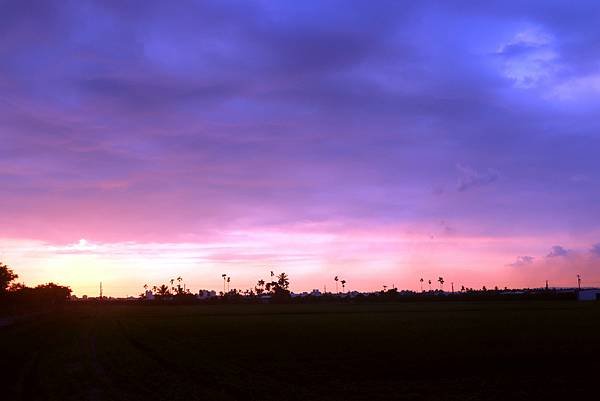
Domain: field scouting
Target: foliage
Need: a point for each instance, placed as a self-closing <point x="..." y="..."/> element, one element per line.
<point x="6" y="277"/>
<point x="19" y="294"/>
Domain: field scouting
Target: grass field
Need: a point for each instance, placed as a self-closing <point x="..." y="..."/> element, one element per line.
<point x="466" y="351"/>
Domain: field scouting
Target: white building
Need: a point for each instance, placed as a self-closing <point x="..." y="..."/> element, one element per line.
<point x="589" y="295"/>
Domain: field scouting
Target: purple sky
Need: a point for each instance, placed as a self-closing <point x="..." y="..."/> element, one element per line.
<point x="324" y="138"/>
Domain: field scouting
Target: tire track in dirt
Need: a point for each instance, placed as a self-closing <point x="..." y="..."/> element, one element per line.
<point x="27" y="387"/>
<point x="110" y="383"/>
<point x="29" y="390"/>
<point x="100" y="378"/>
<point x="197" y="382"/>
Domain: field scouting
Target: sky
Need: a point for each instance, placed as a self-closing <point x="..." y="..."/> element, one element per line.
<point x="381" y="142"/>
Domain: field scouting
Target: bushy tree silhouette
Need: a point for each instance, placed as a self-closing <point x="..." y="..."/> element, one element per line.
<point x="6" y="277"/>
<point x="279" y="289"/>
<point x="260" y="287"/>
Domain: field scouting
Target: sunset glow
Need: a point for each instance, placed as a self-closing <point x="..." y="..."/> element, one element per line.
<point x="382" y="142"/>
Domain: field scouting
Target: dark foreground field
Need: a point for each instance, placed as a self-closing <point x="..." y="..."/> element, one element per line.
<point x="504" y="351"/>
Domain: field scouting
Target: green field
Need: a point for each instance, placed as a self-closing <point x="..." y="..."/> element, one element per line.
<point x="504" y="351"/>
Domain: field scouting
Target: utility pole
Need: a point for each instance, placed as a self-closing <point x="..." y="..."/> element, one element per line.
<point x="546" y="285"/>
<point x="452" y="285"/>
<point x="578" y="282"/>
<point x="101" y="290"/>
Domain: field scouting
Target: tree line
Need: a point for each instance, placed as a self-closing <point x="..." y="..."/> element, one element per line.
<point x="277" y="289"/>
<point x="14" y="293"/>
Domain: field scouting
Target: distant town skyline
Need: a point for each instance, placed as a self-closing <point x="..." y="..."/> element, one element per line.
<point x="381" y="142"/>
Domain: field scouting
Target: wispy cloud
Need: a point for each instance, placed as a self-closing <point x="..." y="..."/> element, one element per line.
<point x="557" y="251"/>
<point x="522" y="261"/>
<point x="529" y="58"/>
<point x="471" y="178"/>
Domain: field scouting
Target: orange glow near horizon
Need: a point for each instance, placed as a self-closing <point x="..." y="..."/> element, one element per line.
<point x="367" y="259"/>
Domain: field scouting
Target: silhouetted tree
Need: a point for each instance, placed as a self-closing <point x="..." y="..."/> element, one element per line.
<point x="6" y="276"/>
<point x="260" y="287"/>
<point x="163" y="291"/>
<point x="343" y="285"/>
<point x="283" y="281"/>
<point x="441" y="281"/>
<point x="336" y="284"/>
<point x="44" y="294"/>
<point x="421" y="280"/>
<point x="15" y="287"/>
<point x="279" y="289"/>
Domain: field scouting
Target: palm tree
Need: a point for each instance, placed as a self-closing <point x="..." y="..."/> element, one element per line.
<point x="421" y="280"/>
<point x="429" y="281"/>
<point x="283" y="281"/>
<point x="441" y="281"/>
<point x="224" y="280"/>
<point x="228" y="280"/>
<point x="179" y="289"/>
<point x="336" y="284"/>
<point x="163" y="291"/>
<point x="343" y="285"/>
